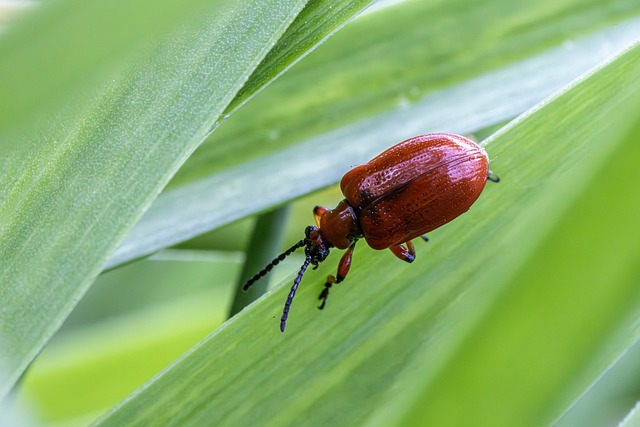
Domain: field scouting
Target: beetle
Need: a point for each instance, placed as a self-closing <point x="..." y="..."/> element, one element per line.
<point x="408" y="190"/>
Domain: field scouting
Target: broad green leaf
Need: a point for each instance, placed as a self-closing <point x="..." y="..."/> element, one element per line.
<point x="70" y="194"/>
<point x="345" y="99"/>
<point x="507" y="316"/>
<point x="552" y="313"/>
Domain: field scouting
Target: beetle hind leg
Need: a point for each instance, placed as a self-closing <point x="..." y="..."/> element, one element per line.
<point x="407" y="254"/>
<point x="343" y="270"/>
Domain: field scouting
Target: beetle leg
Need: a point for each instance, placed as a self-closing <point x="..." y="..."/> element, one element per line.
<point x="493" y="178"/>
<point x="411" y="248"/>
<point x="424" y="237"/>
<point x="343" y="270"/>
<point x="318" y="211"/>
<point x="407" y="254"/>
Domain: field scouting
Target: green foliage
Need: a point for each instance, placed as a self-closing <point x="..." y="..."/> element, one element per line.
<point x="509" y="315"/>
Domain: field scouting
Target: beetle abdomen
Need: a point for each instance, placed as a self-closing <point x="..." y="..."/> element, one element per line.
<point x="401" y="164"/>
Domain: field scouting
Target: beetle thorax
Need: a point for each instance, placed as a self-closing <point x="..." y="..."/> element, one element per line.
<point x="339" y="227"/>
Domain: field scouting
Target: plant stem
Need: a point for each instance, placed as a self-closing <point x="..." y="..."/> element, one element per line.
<point x="265" y="244"/>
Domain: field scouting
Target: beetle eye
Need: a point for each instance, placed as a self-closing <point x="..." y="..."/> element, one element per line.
<point x="310" y="229"/>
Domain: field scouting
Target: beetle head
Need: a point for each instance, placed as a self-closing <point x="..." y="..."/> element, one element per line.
<point x="316" y="250"/>
<point x="315" y="246"/>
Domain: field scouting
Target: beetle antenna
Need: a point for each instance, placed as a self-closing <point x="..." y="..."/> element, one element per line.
<point x="272" y="264"/>
<point x="292" y="293"/>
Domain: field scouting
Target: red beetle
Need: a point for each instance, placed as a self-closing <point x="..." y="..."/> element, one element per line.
<point x="411" y="189"/>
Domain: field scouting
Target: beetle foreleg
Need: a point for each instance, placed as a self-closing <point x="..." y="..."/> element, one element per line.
<point x="318" y="211"/>
<point x="343" y="270"/>
<point x="407" y="254"/>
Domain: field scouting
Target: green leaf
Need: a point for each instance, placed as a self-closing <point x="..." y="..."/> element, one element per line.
<point x="14" y="415"/>
<point x="345" y="99"/>
<point x="507" y="316"/>
<point x="609" y="398"/>
<point x="633" y="419"/>
<point x="55" y="38"/>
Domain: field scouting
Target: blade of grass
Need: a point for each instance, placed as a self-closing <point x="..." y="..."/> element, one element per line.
<point x="378" y="340"/>
<point x="123" y="347"/>
<point x="79" y="44"/>
<point x="265" y="244"/>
